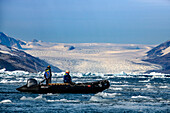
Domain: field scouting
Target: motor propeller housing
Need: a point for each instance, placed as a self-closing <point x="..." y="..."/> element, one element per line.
<point x="31" y="82"/>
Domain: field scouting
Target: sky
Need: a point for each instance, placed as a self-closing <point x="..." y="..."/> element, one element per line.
<point x="87" y="21"/>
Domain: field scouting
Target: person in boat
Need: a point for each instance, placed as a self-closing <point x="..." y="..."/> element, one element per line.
<point x="48" y="75"/>
<point x="67" y="77"/>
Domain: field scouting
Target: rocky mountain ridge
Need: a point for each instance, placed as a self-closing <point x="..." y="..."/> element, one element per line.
<point x="10" y="42"/>
<point x="158" y="51"/>
<point x="16" y="59"/>
<point x="160" y="55"/>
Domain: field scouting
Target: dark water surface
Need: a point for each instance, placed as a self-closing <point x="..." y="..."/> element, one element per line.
<point x="129" y="94"/>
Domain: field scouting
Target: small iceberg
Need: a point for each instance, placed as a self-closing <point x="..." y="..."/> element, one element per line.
<point x="6" y="101"/>
<point x="123" y="73"/>
<point x="2" y="70"/>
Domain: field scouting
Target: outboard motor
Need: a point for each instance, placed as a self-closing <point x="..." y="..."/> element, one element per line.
<point x="31" y="82"/>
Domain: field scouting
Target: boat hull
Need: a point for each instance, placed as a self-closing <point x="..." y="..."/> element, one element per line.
<point x="93" y="87"/>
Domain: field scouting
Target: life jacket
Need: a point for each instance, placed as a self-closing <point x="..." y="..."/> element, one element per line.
<point x="67" y="78"/>
<point x="47" y="73"/>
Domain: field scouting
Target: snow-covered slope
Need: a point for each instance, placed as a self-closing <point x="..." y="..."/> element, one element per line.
<point x="93" y="57"/>
<point x="14" y="59"/>
<point x="160" y="55"/>
<point x="89" y="57"/>
<point x="10" y="42"/>
<point x="159" y="50"/>
<point x="166" y="51"/>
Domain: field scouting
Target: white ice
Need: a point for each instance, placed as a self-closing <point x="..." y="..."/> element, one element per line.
<point x="140" y="97"/>
<point x="5" y="101"/>
<point x="19" y="76"/>
<point x="94" y="57"/>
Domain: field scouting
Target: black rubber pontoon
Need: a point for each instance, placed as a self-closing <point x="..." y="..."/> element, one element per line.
<point x="91" y="87"/>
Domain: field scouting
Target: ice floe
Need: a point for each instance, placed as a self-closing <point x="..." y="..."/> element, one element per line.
<point x="140" y="97"/>
<point x="40" y="97"/>
<point x="19" y="76"/>
<point x="5" y="101"/>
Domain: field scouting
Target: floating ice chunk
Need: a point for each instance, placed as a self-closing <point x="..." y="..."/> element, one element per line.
<point x="140" y="97"/>
<point x="86" y="74"/>
<point x="163" y="86"/>
<point x="12" y="81"/>
<point x="63" y="100"/>
<point x="26" y="98"/>
<point x="77" y="74"/>
<point x="116" y="88"/>
<point x="98" y="99"/>
<point x="123" y="73"/>
<point x="31" y="98"/>
<point x="115" y="82"/>
<point x="108" y="95"/>
<point x="154" y="73"/>
<point x="4" y="81"/>
<point x="40" y="97"/>
<point x="2" y="70"/>
<point x="145" y="80"/>
<point x="6" y="101"/>
<point x="17" y="73"/>
<point x="99" y="74"/>
<point x="52" y="94"/>
<point x="94" y="98"/>
<point x="149" y="86"/>
<point x="136" y="89"/>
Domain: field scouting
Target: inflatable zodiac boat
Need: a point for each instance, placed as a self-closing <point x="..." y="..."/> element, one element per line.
<point x="91" y="87"/>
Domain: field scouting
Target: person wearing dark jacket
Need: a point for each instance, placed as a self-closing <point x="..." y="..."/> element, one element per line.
<point x="48" y="75"/>
<point x="67" y="77"/>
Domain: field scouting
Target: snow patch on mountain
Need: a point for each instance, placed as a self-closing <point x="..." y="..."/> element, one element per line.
<point x="160" y="55"/>
<point x="165" y="51"/>
<point x="10" y="42"/>
<point x="5" y="50"/>
<point x="159" y="50"/>
<point x="14" y="59"/>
